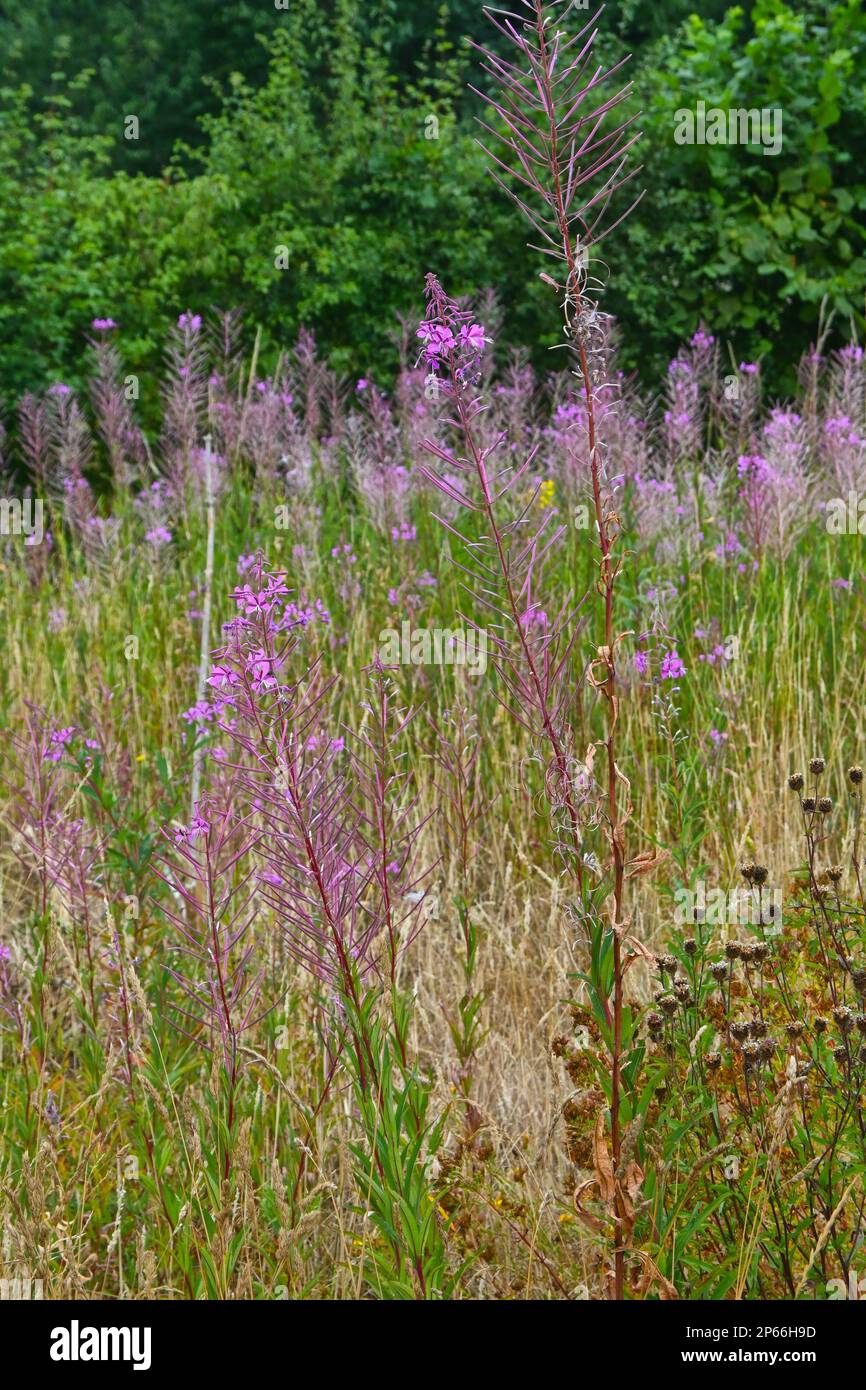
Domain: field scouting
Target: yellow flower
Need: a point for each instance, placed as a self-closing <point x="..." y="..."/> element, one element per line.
<point x="547" y="493"/>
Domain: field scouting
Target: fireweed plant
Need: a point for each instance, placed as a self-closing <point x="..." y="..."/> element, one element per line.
<point x="569" y="166"/>
<point x="332" y="852"/>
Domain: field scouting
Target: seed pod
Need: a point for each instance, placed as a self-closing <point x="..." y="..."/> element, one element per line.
<point x="795" y="782"/>
<point x="795" y="1030"/>
<point x="719" y="971"/>
<point x="759" y="1028"/>
<point x="825" y="805"/>
<point x="855" y="775"/>
<point x="760" y="874"/>
<point x="809" y="803"/>
<point x="820" y="1025"/>
<point x="751" y="1055"/>
<point x="760" y="951"/>
<point x="835" y="873"/>
<point x="733" y="950"/>
<point x="714" y="1060"/>
<point x="690" y="946"/>
<point x="817" y="765"/>
<point x="668" y="1004"/>
<point x="740" y="1030"/>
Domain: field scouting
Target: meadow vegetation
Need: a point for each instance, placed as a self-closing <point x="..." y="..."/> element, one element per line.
<point x="432" y="860"/>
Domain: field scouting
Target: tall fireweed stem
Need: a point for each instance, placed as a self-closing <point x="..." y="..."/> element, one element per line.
<point x="552" y="146"/>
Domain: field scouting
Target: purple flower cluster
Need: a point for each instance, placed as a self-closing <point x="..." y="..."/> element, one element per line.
<point x="160" y="535"/>
<point x="672" y="666"/>
<point x="451" y="336"/>
<point x="58" y="743"/>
